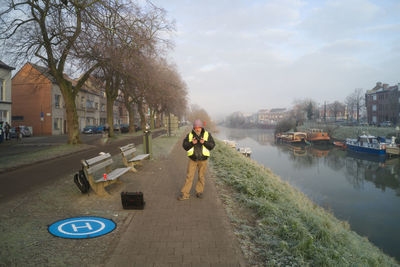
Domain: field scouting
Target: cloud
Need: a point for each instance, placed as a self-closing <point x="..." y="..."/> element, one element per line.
<point x="341" y="19"/>
<point x="212" y="67"/>
<point x="248" y="55"/>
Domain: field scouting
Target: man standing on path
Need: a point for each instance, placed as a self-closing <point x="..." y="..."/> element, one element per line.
<point x="7" y="130"/>
<point x="198" y="144"/>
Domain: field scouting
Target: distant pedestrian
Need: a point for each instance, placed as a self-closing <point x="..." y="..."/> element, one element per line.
<point x="7" y="130"/>
<point x="1" y="132"/>
<point x="198" y="144"/>
<point x="18" y="133"/>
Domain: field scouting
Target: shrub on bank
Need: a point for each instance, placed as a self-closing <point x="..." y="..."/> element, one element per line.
<point x="288" y="228"/>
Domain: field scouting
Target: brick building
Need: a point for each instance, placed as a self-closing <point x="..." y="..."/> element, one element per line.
<point x="383" y="104"/>
<point x="38" y="102"/>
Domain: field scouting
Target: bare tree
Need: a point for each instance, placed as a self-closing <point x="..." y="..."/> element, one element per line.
<point x="359" y="98"/>
<point x="49" y="30"/>
<point x="127" y="42"/>
<point x="336" y="107"/>
<point x="351" y="106"/>
<point x="303" y="109"/>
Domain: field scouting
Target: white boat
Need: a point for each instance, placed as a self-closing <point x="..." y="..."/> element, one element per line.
<point x="245" y="151"/>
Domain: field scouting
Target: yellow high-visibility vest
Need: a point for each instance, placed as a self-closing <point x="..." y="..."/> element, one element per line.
<point x="205" y="151"/>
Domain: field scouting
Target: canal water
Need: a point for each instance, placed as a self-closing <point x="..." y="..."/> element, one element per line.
<point x="364" y="191"/>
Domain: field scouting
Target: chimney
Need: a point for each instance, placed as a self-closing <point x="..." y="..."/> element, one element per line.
<point x="378" y="85"/>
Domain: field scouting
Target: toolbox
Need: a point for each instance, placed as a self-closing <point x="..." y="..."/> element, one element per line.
<point x="132" y="200"/>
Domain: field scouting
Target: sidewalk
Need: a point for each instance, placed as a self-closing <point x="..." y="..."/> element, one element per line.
<point x="168" y="232"/>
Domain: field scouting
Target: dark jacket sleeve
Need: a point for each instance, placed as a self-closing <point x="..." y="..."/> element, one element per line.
<point x="209" y="144"/>
<point x="186" y="144"/>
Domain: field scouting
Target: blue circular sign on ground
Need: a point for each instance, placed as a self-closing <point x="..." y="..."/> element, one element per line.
<point x="82" y="227"/>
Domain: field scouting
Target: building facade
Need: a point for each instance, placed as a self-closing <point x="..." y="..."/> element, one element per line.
<point x="383" y="104"/>
<point x="5" y="92"/>
<point x="271" y="116"/>
<point x="38" y="102"/>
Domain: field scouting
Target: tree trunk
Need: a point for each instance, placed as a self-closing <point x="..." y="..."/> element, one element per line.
<point x="152" y="114"/>
<point x="131" y="119"/>
<point x="142" y="116"/>
<point x="358" y="112"/>
<point x="158" y="124"/>
<point x="72" y="119"/>
<point x="110" y="116"/>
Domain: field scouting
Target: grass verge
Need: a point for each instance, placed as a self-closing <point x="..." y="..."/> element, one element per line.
<point x="281" y="226"/>
<point x="25" y="240"/>
<point x="51" y="152"/>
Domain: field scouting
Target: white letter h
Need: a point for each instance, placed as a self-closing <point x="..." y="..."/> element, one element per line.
<point x="76" y="227"/>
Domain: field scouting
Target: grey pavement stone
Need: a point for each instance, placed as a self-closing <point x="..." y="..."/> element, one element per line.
<point x="168" y="232"/>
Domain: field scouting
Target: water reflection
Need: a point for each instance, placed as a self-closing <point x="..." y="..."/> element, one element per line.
<point x="363" y="190"/>
<point x="357" y="168"/>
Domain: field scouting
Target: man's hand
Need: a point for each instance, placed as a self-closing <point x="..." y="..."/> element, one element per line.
<point x="194" y="141"/>
<point x="202" y="141"/>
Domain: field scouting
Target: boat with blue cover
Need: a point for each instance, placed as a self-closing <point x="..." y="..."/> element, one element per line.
<point x="367" y="144"/>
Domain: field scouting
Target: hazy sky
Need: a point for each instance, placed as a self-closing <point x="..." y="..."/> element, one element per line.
<point x="243" y="55"/>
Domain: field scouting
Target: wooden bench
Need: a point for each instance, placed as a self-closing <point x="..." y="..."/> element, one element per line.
<point x="128" y="156"/>
<point x="103" y="162"/>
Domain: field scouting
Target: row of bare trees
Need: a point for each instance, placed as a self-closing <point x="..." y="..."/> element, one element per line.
<point x="308" y="108"/>
<point x="121" y="43"/>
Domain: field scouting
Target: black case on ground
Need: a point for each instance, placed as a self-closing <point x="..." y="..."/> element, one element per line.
<point x="132" y="200"/>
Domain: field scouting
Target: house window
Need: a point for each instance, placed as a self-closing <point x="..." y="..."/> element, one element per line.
<point x="103" y="107"/>
<point x="57" y="101"/>
<point x="374" y="108"/>
<point x="374" y="119"/>
<point x="82" y="102"/>
<point x="96" y="105"/>
<point x="89" y="104"/>
<point x="3" y="115"/>
<point x="374" y="97"/>
<point x="57" y="123"/>
<point x="2" y="90"/>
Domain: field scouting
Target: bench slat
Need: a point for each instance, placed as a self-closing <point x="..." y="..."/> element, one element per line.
<point x="139" y="157"/>
<point x="127" y="147"/>
<point x="97" y="159"/>
<point x="114" y="174"/>
<point x="130" y="151"/>
<point x="99" y="166"/>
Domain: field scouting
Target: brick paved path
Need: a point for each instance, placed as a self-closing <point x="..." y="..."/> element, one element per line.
<point x="168" y="232"/>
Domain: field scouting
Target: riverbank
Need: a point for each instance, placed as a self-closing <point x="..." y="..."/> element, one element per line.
<point x="340" y="132"/>
<point x="278" y="225"/>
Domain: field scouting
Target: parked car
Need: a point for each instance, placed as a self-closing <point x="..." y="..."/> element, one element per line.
<point x="100" y="129"/>
<point x="124" y="128"/>
<point x="116" y="128"/>
<point x="90" y="130"/>
<point x="13" y="133"/>
<point x="386" y="124"/>
<point x="25" y="132"/>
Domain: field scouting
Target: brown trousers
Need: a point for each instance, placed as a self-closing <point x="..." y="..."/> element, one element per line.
<point x="201" y="166"/>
